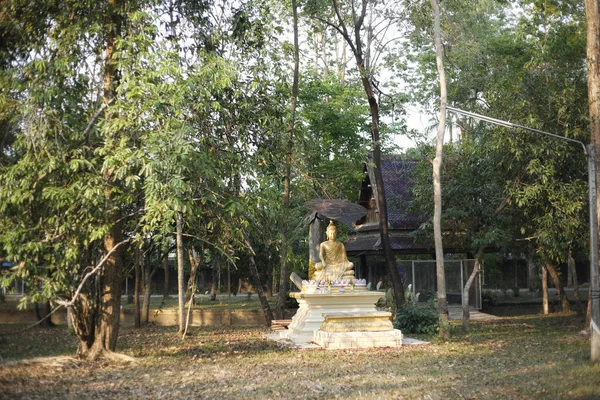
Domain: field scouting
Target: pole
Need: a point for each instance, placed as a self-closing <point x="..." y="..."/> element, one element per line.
<point x="594" y="276"/>
<point x="180" y="274"/>
<point x="594" y="272"/>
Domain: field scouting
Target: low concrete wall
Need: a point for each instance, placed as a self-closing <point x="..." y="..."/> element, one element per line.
<point x="159" y="317"/>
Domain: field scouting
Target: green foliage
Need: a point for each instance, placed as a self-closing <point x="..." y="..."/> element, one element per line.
<point x="183" y="125"/>
<point x="510" y="188"/>
<point x="489" y="298"/>
<point x="417" y="319"/>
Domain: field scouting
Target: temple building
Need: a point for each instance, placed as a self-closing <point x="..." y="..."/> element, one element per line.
<point x="415" y="259"/>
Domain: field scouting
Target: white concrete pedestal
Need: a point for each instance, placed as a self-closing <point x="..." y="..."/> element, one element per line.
<point x="312" y="306"/>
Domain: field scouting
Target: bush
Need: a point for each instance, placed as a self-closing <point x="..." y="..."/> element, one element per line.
<point x="515" y="291"/>
<point x="417" y="319"/>
<point x="489" y="298"/>
<point x="290" y="302"/>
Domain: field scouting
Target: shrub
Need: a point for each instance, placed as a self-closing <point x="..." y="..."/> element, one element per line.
<point x="489" y="298"/>
<point x="515" y="291"/>
<point x="290" y="302"/>
<point x="417" y="319"/>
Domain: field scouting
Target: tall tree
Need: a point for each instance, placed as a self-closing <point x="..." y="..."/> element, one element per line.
<point x="592" y="12"/>
<point x="111" y="274"/>
<point x="437" y="170"/>
<point x="351" y="26"/>
<point x="283" y="278"/>
<point x="526" y="68"/>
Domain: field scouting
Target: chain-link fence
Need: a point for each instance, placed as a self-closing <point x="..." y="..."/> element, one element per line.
<point x="421" y="275"/>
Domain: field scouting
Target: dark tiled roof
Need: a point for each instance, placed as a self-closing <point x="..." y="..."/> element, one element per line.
<point x="398" y="181"/>
<point x="362" y="243"/>
<point x="365" y="244"/>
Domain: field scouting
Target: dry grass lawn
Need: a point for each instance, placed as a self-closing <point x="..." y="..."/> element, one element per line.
<point x="532" y="357"/>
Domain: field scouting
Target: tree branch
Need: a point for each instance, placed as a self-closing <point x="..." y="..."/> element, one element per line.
<point x="227" y="256"/>
<point x="344" y="31"/>
<point x="96" y="115"/>
<point x="91" y="273"/>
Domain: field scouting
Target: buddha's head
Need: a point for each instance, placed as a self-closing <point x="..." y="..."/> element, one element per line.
<point x="331" y="231"/>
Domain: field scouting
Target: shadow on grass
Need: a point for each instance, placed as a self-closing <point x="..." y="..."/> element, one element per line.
<point x="17" y="343"/>
<point x="202" y="342"/>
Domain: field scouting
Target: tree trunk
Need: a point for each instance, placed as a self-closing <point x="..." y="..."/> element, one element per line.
<point x="270" y="285"/>
<point x="84" y="317"/>
<point x="283" y="278"/>
<point x="532" y="276"/>
<point x="213" y="284"/>
<point x="465" y="295"/>
<point x="195" y="262"/>
<point x="148" y="275"/>
<point x="316" y="233"/>
<point x="570" y="269"/>
<point x="564" y="301"/>
<point x="42" y="312"/>
<point x="592" y="12"/>
<point x="136" y="290"/>
<point x="356" y="45"/>
<point x="545" y="306"/>
<point x="259" y="287"/>
<point x="166" y="269"/>
<point x="180" y="275"/>
<point x="324" y="52"/>
<point x="574" y="281"/>
<point x="437" y="187"/>
<point x="109" y="279"/>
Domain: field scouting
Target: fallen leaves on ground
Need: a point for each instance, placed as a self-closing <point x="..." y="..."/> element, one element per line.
<point x="508" y="358"/>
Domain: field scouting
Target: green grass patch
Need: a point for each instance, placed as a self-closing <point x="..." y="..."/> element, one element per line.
<point x="240" y="302"/>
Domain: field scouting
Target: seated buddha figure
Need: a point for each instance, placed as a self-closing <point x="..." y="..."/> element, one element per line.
<point x="334" y="263"/>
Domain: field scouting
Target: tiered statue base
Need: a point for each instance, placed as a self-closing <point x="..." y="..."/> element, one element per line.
<point x="341" y="320"/>
<point x="349" y="330"/>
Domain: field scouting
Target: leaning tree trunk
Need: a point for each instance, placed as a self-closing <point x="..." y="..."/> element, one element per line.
<point x="437" y="187"/>
<point x="465" y="295"/>
<point x="258" y="285"/>
<point x="562" y="296"/>
<point x="195" y="261"/>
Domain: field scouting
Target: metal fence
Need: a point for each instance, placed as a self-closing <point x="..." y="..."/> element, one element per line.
<point x="421" y="275"/>
<point x="17" y="288"/>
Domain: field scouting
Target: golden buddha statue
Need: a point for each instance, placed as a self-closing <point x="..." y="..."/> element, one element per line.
<point x="334" y="263"/>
